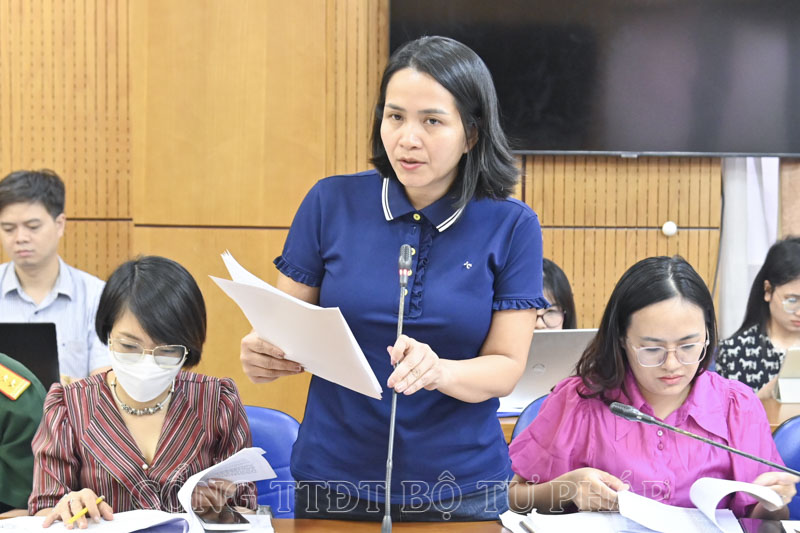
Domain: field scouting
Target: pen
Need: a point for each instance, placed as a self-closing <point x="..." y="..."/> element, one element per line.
<point x="84" y="510"/>
<point x="525" y="526"/>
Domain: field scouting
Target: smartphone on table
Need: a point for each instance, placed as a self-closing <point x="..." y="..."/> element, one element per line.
<point x="227" y="519"/>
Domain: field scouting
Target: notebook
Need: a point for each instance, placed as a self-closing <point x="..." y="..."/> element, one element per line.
<point x="551" y="358"/>
<point x="35" y="346"/>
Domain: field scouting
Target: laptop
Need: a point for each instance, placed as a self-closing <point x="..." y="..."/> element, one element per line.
<point x="35" y="346"/>
<point x="789" y="377"/>
<point x="551" y="358"/>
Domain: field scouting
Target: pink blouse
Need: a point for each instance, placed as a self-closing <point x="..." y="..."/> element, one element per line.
<point x="571" y="432"/>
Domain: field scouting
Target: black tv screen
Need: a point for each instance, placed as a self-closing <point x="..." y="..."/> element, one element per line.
<point x="631" y="77"/>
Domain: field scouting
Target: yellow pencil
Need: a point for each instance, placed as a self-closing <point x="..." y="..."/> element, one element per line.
<point x="85" y="510"/>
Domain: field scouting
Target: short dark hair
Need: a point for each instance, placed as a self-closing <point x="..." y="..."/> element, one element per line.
<point x="33" y="186"/>
<point x="603" y="365"/>
<point x="164" y="298"/>
<point x="488" y="169"/>
<point x="781" y="266"/>
<point x="556" y="283"/>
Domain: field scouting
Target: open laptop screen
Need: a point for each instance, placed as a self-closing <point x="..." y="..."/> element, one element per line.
<point x="551" y="358"/>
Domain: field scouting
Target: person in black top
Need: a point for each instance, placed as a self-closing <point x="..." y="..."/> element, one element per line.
<point x="755" y="353"/>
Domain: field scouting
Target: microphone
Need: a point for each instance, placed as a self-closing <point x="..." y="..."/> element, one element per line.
<point x="631" y="413"/>
<point x="404" y="271"/>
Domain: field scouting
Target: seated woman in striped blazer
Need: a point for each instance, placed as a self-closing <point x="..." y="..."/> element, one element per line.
<point x="136" y="433"/>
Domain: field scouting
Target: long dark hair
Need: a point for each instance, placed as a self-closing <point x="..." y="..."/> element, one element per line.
<point x="164" y="298"/>
<point x="556" y="283"/>
<point x="603" y="365"/>
<point x="781" y="266"/>
<point x="488" y="169"/>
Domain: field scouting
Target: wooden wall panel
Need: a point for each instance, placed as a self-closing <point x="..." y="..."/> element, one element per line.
<point x="64" y="85"/>
<point x="595" y="258"/>
<point x="237" y="112"/>
<point x="199" y="249"/>
<point x="790" y="197"/>
<point x="569" y="191"/>
<point x="231" y="108"/>
<point x="602" y="214"/>
<point x="241" y="110"/>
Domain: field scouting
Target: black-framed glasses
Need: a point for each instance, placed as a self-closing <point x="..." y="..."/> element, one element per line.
<point x="686" y="354"/>
<point x="552" y="316"/>
<point x="166" y="356"/>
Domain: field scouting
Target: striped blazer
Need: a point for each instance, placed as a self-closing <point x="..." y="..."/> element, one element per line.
<point x="82" y="442"/>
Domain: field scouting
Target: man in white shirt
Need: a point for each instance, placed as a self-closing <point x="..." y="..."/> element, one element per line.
<point x="37" y="285"/>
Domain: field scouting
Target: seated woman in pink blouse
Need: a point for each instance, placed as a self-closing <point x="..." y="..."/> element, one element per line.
<point x="651" y="352"/>
<point x="136" y="433"/>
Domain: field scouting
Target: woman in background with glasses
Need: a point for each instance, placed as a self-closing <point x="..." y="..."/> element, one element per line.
<point x="136" y="433"/>
<point x="649" y="352"/>
<point x="755" y="353"/>
<point x="557" y="291"/>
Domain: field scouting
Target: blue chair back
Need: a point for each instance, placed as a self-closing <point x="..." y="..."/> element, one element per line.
<point x="787" y="440"/>
<point x="275" y="432"/>
<point x="527" y="415"/>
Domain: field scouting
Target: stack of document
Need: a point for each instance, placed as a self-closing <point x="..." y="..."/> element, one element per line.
<point x="640" y="514"/>
<point x="316" y="337"/>
<point x="245" y="465"/>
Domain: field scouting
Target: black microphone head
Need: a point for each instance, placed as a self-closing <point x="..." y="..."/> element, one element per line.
<point x="629" y="412"/>
<point x="405" y="257"/>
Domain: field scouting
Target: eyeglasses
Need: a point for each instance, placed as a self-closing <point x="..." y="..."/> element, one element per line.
<point x="167" y="356"/>
<point x="686" y="354"/>
<point x="552" y="317"/>
<point x="791" y="304"/>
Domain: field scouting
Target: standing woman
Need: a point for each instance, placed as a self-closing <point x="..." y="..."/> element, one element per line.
<point x="442" y="179"/>
<point x="755" y="353"/>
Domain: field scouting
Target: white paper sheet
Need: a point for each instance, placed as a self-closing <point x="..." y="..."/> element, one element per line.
<point x="707" y="492"/>
<point x="122" y="523"/>
<point x="129" y="522"/>
<point x="317" y="338"/>
<point x="791" y="526"/>
<point x="670" y="519"/>
<point x="245" y="465"/>
<point x="571" y="523"/>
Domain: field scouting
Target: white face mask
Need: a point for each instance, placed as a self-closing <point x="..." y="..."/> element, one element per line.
<point x="143" y="380"/>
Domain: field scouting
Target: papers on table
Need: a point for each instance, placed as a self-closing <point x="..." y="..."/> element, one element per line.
<point x="122" y="523"/>
<point x="640" y="514"/>
<point x="665" y="518"/>
<point x="245" y="465"/>
<point x="144" y="521"/>
<point x="707" y="492"/>
<point x="318" y="338"/>
<point x="571" y="523"/>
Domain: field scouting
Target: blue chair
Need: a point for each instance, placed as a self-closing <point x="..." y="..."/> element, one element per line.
<point x="527" y="415"/>
<point x="275" y="432"/>
<point x="787" y="440"/>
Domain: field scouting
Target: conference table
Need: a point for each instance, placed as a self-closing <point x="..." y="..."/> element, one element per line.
<point x="283" y="525"/>
<point x="777" y="413"/>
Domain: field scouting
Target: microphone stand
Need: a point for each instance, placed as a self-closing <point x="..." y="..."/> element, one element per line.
<point x="629" y="412"/>
<point x="404" y="267"/>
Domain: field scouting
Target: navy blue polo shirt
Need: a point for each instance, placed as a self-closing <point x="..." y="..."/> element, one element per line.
<point x="467" y="263"/>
